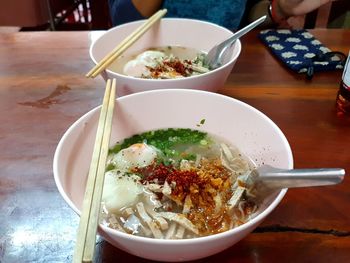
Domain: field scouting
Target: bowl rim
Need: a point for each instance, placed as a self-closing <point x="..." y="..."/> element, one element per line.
<point x="232" y="60"/>
<point x="251" y="223"/>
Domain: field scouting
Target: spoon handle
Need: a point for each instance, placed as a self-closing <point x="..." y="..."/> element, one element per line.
<point x="244" y="30"/>
<point x="281" y="178"/>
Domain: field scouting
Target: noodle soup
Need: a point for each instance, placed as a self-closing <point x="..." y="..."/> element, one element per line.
<point x="161" y="63"/>
<point x="175" y="184"/>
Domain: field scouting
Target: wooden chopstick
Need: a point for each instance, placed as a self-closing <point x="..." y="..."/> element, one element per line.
<point x="86" y="237"/>
<point x="126" y="43"/>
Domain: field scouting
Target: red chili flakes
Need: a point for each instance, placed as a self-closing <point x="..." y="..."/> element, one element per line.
<point x="160" y="173"/>
<point x="202" y="185"/>
<point x="154" y="173"/>
<point x="155" y="72"/>
<point x="168" y="66"/>
<point x="177" y="65"/>
<point x="184" y="181"/>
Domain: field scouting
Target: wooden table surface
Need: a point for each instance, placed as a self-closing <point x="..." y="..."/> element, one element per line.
<point x="43" y="91"/>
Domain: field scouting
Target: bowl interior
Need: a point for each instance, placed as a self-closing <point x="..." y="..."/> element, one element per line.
<point x="189" y="33"/>
<point x="169" y="31"/>
<point x="242" y="125"/>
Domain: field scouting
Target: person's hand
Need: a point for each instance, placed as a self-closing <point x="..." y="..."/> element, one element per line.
<point x="287" y="8"/>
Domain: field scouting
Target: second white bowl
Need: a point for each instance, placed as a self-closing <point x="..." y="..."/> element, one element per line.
<point x="168" y="32"/>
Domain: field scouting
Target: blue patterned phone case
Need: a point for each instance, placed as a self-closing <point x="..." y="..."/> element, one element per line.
<point x="300" y="51"/>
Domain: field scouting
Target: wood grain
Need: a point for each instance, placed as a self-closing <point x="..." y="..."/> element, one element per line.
<point x="43" y="90"/>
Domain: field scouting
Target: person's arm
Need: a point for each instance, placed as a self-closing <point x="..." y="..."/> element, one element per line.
<point x="147" y="7"/>
<point x="278" y="11"/>
<point x="289" y="8"/>
<point x="123" y="11"/>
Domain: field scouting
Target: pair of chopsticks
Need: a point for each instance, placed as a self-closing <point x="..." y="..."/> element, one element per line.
<point x="126" y="43"/>
<point x="86" y="238"/>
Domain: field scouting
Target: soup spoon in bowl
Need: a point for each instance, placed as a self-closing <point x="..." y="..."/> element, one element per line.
<point x="281" y="178"/>
<point x="220" y="53"/>
<point x="267" y="179"/>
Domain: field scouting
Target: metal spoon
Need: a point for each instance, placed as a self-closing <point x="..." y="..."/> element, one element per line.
<point x="219" y="54"/>
<point x="276" y="178"/>
<point x="267" y="180"/>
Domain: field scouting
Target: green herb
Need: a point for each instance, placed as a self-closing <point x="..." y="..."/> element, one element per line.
<point x="201" y="122"/>
<point x="165" y="140"/>
<point x="203" y="142"/>
<point x="110" y="167"/>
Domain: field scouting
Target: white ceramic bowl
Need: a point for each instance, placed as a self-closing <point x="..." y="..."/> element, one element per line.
<point x="168" y="32"/>
<point x="247" y="128"/>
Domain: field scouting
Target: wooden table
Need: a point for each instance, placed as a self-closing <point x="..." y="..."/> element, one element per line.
<point x="43" y="91"/>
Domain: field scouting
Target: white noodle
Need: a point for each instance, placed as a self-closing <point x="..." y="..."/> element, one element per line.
<point x="180" y="219"/>
<point x="148" y="220"/>
<point x="170" y="234"/>
<point x="180" y="232"/>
